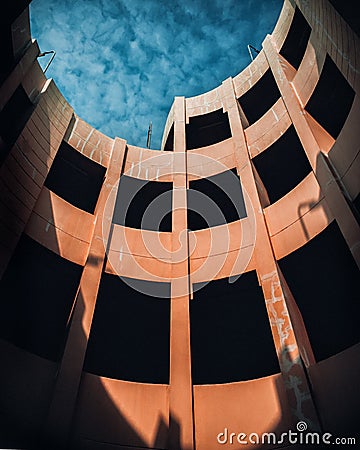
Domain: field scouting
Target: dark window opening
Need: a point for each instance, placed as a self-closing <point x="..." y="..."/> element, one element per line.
<point x="260" y="98"/>
<point x="207" y="129"/>
<point x="130" y="333"/>
<point x="75" y="178"/>
<point x="195" y="220"/>
<point x="169" y="145"/>
<point x="283" y="165"/>
<point x="332" y="99"/>
<point x="231" y="337"/>
<point x="347" y="12"/>
<point x="215" y="200"/>
<point x="323" y="278"/>
<point x="9" y="14"/>
<point x="143" y="204"/>
<point x="36" y="295"/>
<point x="13" y="118"/>
<point x="165" y="223"/>
<point x="6" y="52"/>
<point x="294" y="47"/>
<point x="13" y="11"/>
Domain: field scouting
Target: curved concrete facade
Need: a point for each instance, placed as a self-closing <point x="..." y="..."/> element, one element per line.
<point x="117" y="333"/>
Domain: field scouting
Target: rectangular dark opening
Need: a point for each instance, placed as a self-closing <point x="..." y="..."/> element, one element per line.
<point x="332" y="99"/>
<point x="215" y="200"/>
<point x="9" y="14"/>
<point x="294" y="46"/>
<point x="6" y="52"/>
<point x="231" y="338"/>
<point x="36" y="295"/>
<point x="207" y="129"/>
<point x="348" y="11"/>
<point x="75" y="178"/>
<point x="13" y="118"/>
<point x="144" y="204"/>
<point x="324" y="280"/>
<point x="13" y="11"/>
<point x="260" y="97"/>
<point x="130" y="333"/>
<point x="283" y="165"/>
<point x="169" y="145"/>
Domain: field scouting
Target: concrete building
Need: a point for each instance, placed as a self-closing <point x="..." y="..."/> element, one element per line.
<point x="175" y="299"/>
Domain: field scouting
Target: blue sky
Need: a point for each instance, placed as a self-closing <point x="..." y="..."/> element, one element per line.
<point x="121" y="63"/>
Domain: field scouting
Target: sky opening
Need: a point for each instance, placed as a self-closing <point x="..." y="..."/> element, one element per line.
<point x="121" y="63"/>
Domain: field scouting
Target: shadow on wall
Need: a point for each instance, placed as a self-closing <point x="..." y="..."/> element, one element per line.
<point x="322" y="276"/>
<point x="98" y="421"/>
<point x="37" y="291"/>
<point x="28" y="382"/>
<point x="25" y="145"/>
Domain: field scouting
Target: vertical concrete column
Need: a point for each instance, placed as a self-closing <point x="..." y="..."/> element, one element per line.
<point x="62" y="407"/>
<point x="282" y="325"/>
<point x="328" y="183"/>
<point x="181" y="411"/>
